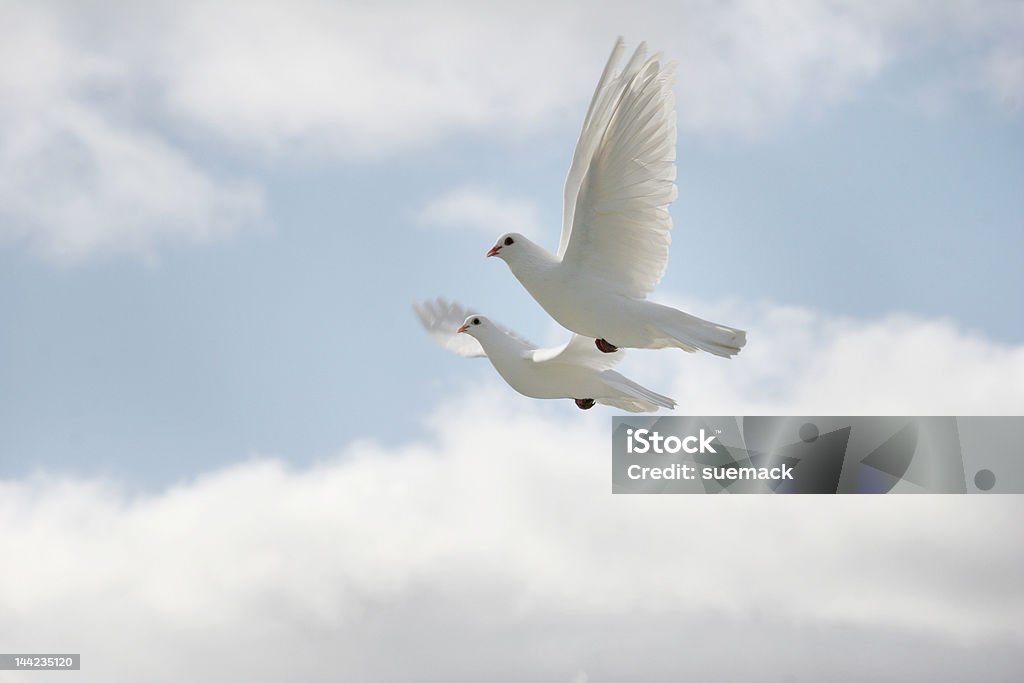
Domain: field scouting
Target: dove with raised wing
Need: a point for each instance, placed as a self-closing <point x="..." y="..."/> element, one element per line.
<point x="616" y="227"/>
<point x="574" y="370"/>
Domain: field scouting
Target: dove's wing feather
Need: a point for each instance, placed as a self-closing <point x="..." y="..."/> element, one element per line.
<point x="579" y="350"/>
<point x="609" y="87"/>
<point x="619" y="228"/>
<point x="441" y="319"/>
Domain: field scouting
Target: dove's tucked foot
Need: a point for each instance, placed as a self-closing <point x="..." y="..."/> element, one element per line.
<point x="584" y="403"/>
<point x="605" y="347"/>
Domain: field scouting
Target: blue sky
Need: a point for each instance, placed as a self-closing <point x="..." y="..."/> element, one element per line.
<point x="224" y="437"/>
<point x="292" y="335"/>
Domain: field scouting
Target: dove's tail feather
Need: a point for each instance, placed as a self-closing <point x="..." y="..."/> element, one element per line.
<point x="691" y="333"/>
<point x="634" y="398"/>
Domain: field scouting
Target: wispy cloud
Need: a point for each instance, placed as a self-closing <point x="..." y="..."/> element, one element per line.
<point x="76" y="186"/>
<point x="79" y="179"/>
<point x="350" y="80"/>
<point x="96" y="103"/>
<point x="480" y="210"/>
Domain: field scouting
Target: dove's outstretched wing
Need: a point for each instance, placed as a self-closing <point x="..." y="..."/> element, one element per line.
<point x="579" y="350"/>
<point x="616" y="225"/>
<point x="441" y="319"/>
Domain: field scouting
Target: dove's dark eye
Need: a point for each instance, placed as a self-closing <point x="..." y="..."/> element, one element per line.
<point x="476" y="321"/>
<point x="509" y="241"/>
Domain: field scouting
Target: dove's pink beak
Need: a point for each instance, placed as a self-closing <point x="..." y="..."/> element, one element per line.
<point x="494" y="250"/>
<point x="463" y="328"/>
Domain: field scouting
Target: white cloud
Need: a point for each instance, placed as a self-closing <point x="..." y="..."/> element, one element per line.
<point x="75" y="185"/>
<point x="480" y="210"/>
<point x="360" y="80"/>
<point x="363" y="80"/>
<point x="79" y="178"/>
<point x="99" y="102"/>
<point x="369" y="80"/>
<point x="804" y="362"/>
<point x="494" y="549"/>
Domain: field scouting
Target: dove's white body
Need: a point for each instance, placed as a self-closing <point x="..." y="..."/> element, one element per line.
<point x="537" y="380"/>
<point x="549" y="379"/>
<point x="616" y="228"/>
<point x="576" y="370"/>
<point x="583" y="303"/>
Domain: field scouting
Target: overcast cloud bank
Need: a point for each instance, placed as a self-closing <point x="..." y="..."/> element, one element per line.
<point x="493" y="548"/>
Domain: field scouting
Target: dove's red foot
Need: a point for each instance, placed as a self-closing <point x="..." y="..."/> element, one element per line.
<point x="584" y="403"/>
<point x="605" y="347"/>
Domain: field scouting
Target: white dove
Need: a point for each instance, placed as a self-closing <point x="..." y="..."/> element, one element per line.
<point x="616" y="228"/>
<point x="574" y="370"/>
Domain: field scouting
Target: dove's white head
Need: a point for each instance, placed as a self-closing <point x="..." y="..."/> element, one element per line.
<point x="476" y="326"/>
<point x="505" y="246"/>
<point x="515" y="249"/>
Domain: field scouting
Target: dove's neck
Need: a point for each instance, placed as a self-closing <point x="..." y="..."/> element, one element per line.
<point x="497" y="344"/>
<point x="505" y="355"/>
<point x="534" y="265"/>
